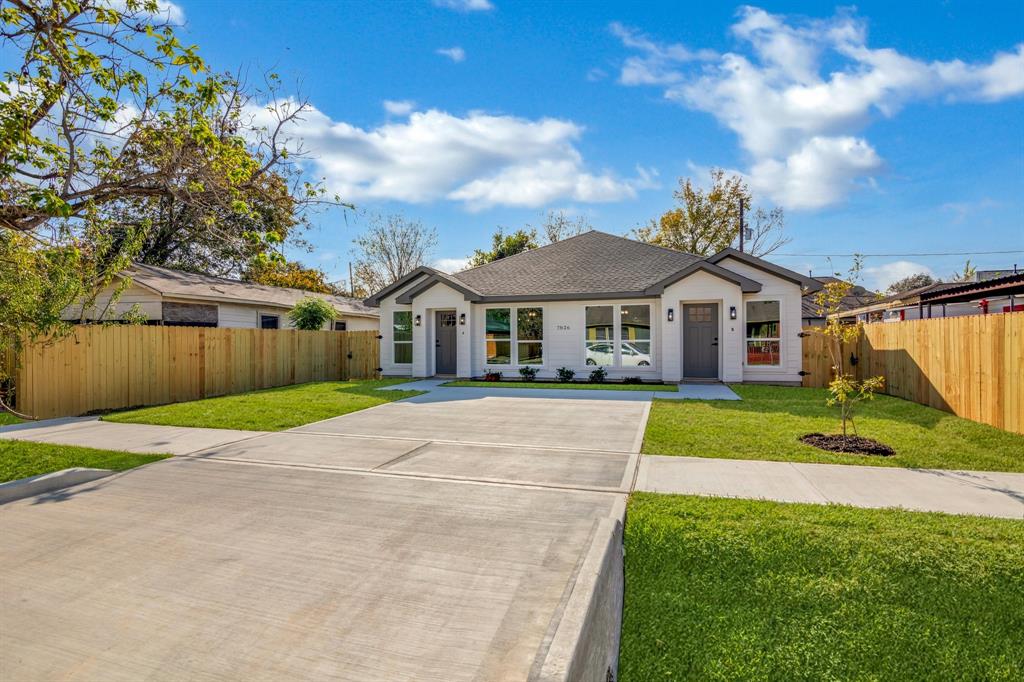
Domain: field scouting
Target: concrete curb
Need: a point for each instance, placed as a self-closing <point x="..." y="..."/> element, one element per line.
<point x="45" y="483"/>
<point x="586" y="643"/>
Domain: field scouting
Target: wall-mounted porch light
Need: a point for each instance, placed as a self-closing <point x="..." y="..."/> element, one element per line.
<point x="732" y="312"/>
<point x="671" y="314"/>
<point x="462" y="318"/>
<point x="418" y="320"/>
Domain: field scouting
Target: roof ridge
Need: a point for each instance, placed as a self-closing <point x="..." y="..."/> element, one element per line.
<point x="576" y="236"/>
<point x="506" y="258"/>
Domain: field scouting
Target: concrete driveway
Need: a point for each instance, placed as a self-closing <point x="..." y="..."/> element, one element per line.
<point x="454" y="548"/>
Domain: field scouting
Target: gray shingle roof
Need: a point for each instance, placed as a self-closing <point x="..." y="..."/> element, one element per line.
<point x="181" y="284"/>
<point x="590" y="263"/>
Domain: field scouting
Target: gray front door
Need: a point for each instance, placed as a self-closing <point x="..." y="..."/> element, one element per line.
<point x="445" y="358"/>
<point x="700" y="340"/>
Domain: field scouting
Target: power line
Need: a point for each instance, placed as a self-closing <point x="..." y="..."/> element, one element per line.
<point x="894" y="255"/>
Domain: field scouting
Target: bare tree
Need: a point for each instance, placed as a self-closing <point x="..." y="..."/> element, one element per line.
<point x="391" y="248"/>
<point x="766" y="230"/>
<point x="558" y="226"/>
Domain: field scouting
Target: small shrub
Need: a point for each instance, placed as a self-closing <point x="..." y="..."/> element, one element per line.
<point x="632" y="380"/>
<point x="311" y="313"/>
<point x="528" y="373"/>
<point x="492" y="376"/>
<point x="598" y="376"/>
<point x="565" y="375"/>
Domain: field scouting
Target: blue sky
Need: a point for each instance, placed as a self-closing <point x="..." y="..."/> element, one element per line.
<point x="891" y="128"/>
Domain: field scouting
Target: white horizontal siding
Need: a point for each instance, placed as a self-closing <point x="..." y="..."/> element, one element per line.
<point x="148" y="301"/>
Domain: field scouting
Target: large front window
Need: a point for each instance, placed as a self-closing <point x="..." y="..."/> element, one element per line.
<point x="499" y="336"/>
<point x="763" y="334"/>
<point x="630" y="348"/>
<point x="401" y="336"/>
<point x="514" y="330"/>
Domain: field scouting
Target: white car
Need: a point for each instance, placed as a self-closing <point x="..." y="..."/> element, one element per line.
<point x="603" y="353"/>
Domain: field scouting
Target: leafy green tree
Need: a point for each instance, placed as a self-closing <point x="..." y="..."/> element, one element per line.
<point x="104" y="114"/>
<point x="290" y="274"/>
<point x="505" y="245"/>
<point x="909" y="282"/>
<point x="311" y="313"/>
<point x="707" y="221"/>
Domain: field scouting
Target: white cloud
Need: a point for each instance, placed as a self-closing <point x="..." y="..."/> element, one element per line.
<point x="800" y="126"/>
<point x="879" y="277"/>
<point x="168" y="11"/>
<point x="657" y="65"/>
<point x="450" y="265"/>
<point x="465" y="5"/>
<point x="456" y="54"/>
<point x="480" y="160"/>
<point x="399" y="107"/>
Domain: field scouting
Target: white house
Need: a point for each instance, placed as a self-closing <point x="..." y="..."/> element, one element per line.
<point x="178" y="298"/>
<point x="635" y="309"/>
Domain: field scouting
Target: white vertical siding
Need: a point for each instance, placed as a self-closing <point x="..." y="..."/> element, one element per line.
<point x="788" y="294"/>
<point x="701" y="287"/>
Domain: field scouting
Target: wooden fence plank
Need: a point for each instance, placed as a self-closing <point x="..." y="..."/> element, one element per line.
<point x="972" y="366"/>
<point x="111" y="367"/>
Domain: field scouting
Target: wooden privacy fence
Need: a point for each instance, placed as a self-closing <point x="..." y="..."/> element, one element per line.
<point x="971" y="366"/>
<point x="110" y="367"/>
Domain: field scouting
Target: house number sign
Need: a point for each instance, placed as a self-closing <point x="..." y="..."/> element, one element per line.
<point x="562" y="327"/>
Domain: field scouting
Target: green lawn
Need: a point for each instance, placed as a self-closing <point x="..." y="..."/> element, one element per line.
<point x="21" y="459"/>
<point x="274" y="409"/>
<point x="7" y="418"/>
<point x="740" y="589"/>
<point x="671" y="388"/>
<point x="769" y="419"/>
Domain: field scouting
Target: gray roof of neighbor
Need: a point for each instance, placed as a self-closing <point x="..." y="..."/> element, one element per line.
<point x="181" y="284"/>
<point x="590" y="263"/>
<point x="858" y="296"/>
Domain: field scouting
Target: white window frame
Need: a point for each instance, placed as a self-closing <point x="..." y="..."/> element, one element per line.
<point x="747" y="339"/>
<point x="259" y="320"/>
<point x="513" y="353"/>
<point x="617" y="339"/>
<point x="412" y="323"/>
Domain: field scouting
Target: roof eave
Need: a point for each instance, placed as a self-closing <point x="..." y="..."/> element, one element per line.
<point x="808" y="284"/>
<point x="747" y="285"/>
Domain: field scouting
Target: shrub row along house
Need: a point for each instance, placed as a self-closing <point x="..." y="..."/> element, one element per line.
<point x="178" y="298"/>
<point x="598" y="300"/>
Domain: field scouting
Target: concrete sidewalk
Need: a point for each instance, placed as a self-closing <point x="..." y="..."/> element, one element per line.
<point x="90" y="432"/>
<point x="981" y="493"/>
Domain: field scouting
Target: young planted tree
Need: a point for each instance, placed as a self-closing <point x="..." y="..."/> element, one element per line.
<point x="311" y="313"/>
<point x="845" y="391"/>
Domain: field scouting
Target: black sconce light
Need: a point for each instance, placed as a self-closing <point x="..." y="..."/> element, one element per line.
<point x="418" y="320"/>
<point x="671" y="314"/>
<point x="462" y="318"/>
<point x="732" y="312"/>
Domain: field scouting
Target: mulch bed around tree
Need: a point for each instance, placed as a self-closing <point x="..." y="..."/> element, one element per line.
<point x="855" y="445"/>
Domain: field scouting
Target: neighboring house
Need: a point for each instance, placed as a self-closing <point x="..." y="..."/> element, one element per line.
<point x="175" y="297"/>
<point x="599" y="300"/>
<point x="995" y="294"/>
<point x="856" y="298"/>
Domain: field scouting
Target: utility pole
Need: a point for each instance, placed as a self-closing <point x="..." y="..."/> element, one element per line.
<point x="741" y="225"/>
<point x="351" y="282"/>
